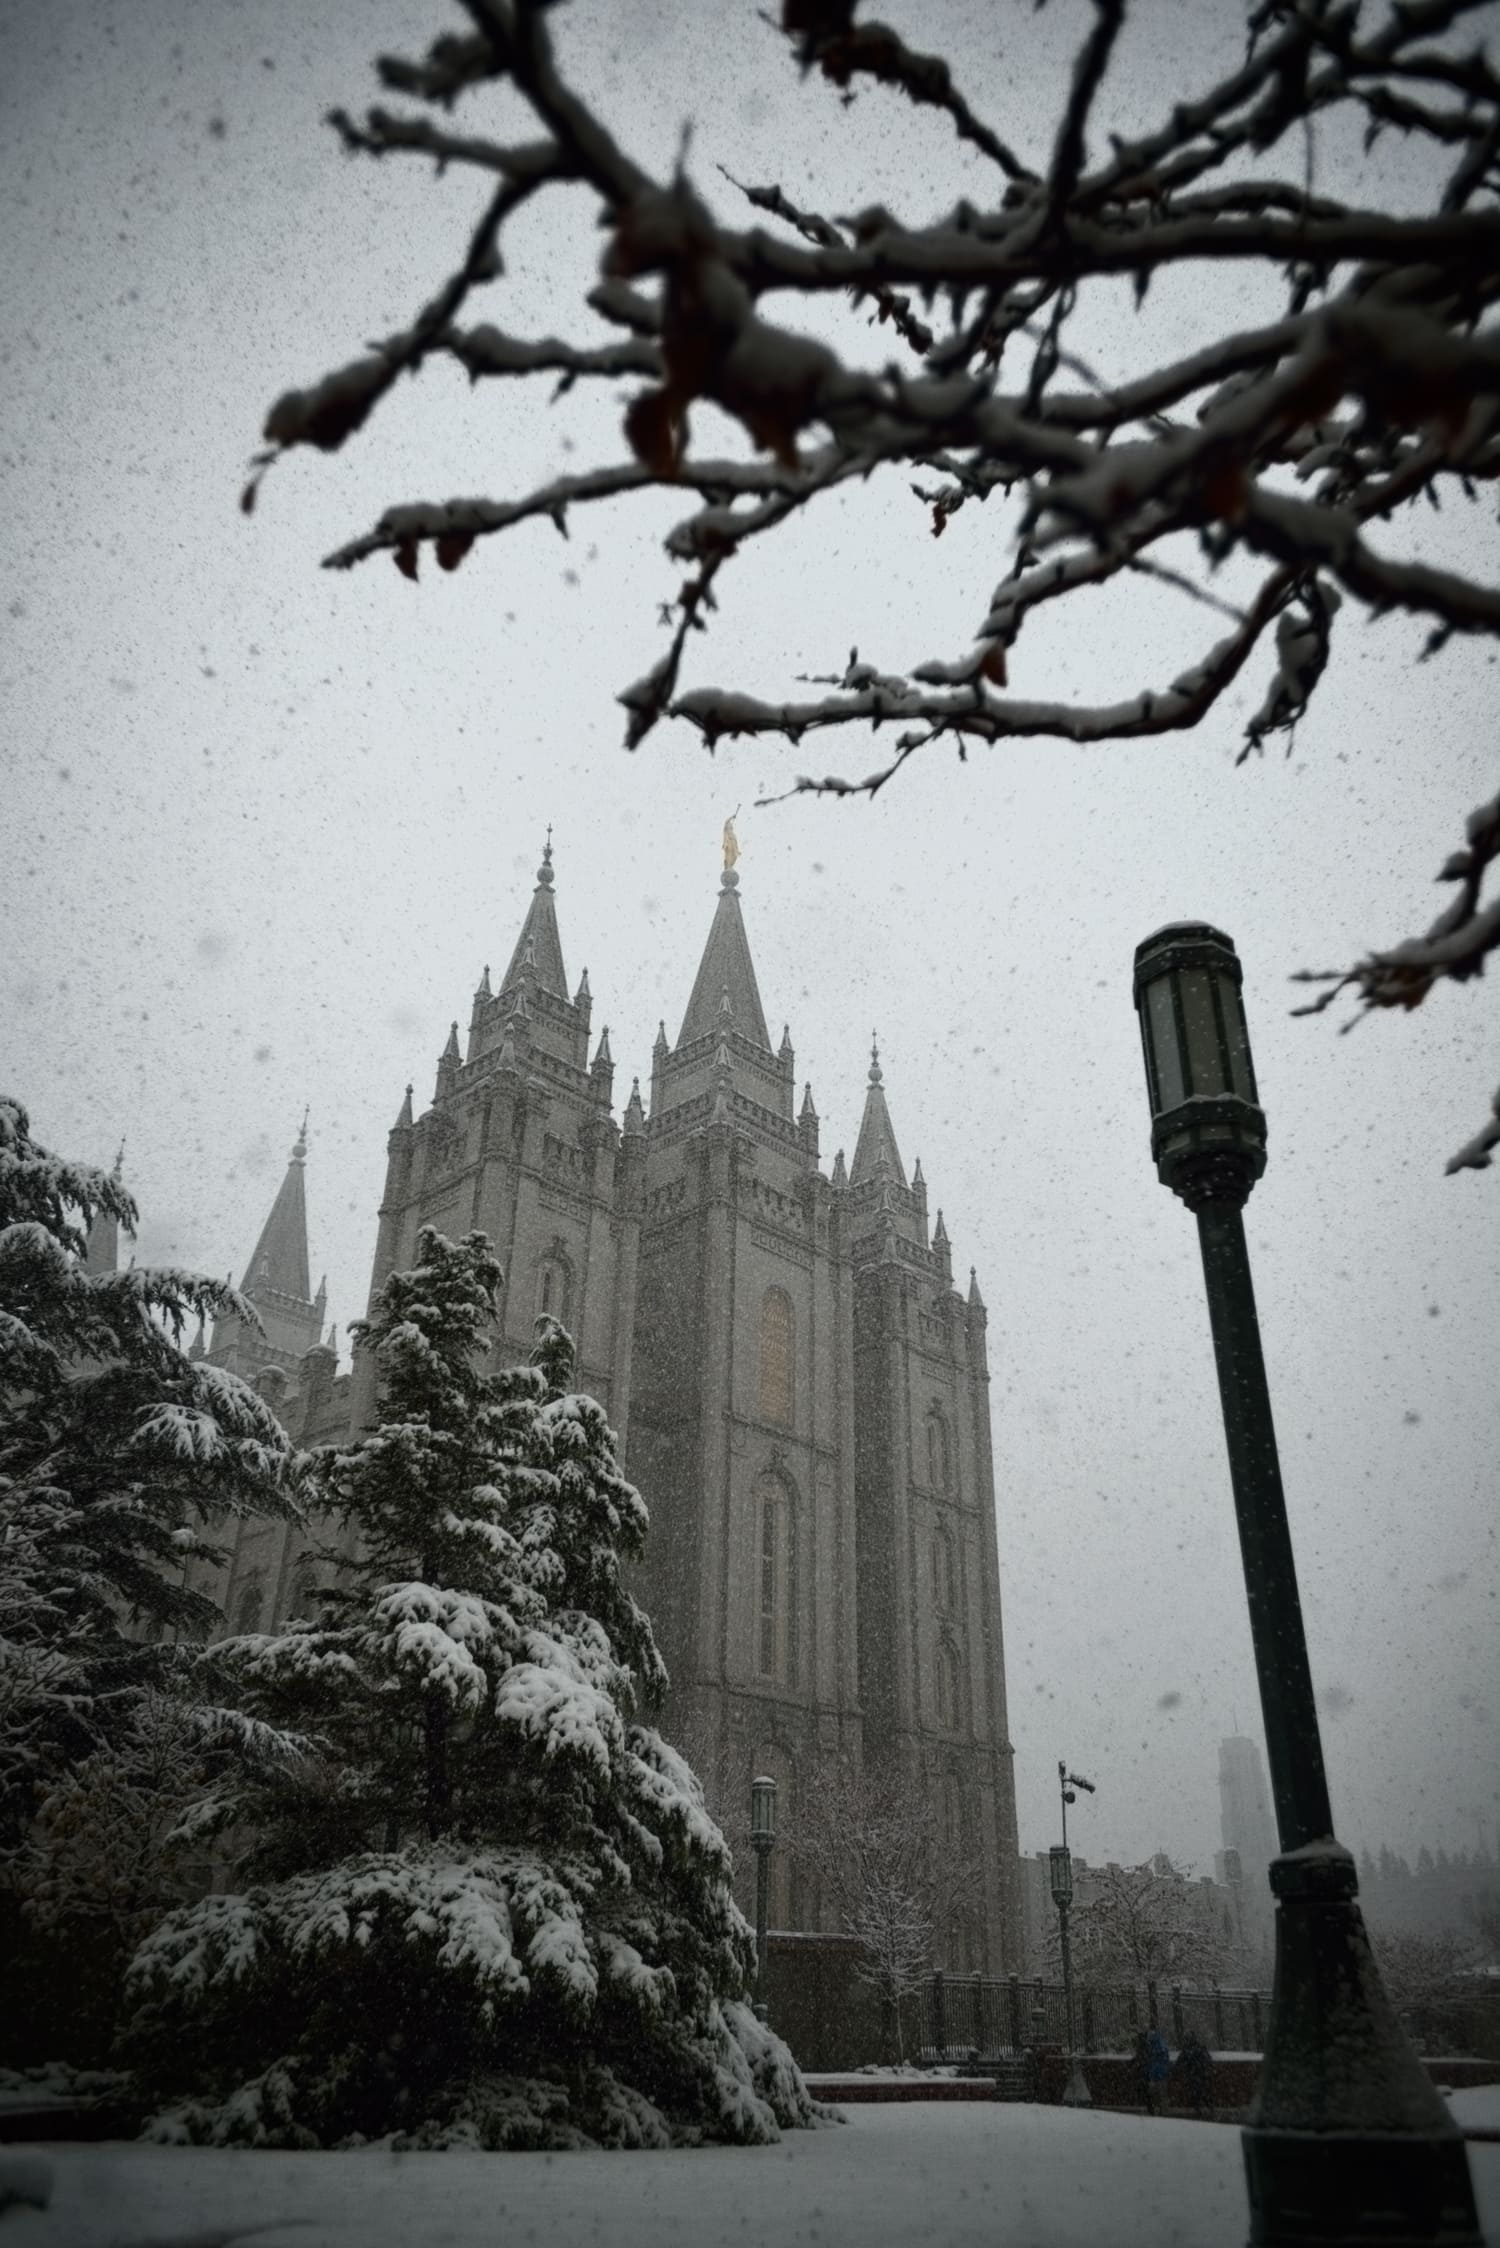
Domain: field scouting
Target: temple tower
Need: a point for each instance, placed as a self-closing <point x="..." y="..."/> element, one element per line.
<point x="519" y="1143"/>
<point x="931" y="1649"/>
<point x="741" y="1419"/>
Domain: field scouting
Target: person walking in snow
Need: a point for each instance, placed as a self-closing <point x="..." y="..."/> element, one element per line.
<point x="1196" y="2065"/>
<point x="1158" y="2062"/>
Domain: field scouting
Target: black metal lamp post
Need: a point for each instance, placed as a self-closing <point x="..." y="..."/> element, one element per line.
<point x="762" y="1842"/>
<point x="1349" y="2141"/>
<point x="1060" y="1874"/>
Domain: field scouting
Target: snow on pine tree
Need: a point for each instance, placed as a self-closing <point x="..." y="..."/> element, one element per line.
<point x="117" y="1454"/>
<point x="492" y="1910"/>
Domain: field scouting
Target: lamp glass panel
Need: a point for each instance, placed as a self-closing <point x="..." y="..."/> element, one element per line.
<point x="1061" y="1870"/>
<point x="1205" y="1057"/>
<point x="1162" y="1031"/>
<point x="1241" y="1069"/>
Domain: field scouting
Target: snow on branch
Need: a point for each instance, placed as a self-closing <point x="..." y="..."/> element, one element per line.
<point x="1456" y="946"/>
<point x="1374" y="388"/>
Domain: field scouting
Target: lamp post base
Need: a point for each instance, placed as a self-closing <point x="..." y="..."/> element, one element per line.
<point x="1349" y="2142"/>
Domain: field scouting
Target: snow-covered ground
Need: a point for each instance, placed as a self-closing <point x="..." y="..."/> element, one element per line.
<point x="892" y="2177"/>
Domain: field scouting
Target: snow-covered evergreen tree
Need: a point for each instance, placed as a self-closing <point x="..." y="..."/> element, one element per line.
<point x="117" y="1453"/>
<point x="492" y="1908"/>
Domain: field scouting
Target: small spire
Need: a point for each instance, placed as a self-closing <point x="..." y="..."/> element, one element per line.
<point x="726" y="1008"/>
<point x="604" y="1059"/>
<point x="484" y="991"/>
<point x="661" y="1039"/>
<point x="403" y="1119"/>
<point x="333" y="1339"/>
<point x="450" y="1051"/>
<point x="808" y="1112"/>
<point x="198" y="1347"/>
<point x="584" y="996"/>
<point x="975" y="1297"/>
<point x="918" y="1183"/>
<point x="875" y="1070"/>
<point x="635" y="1114"/>
<point x="544" y="871"/>
<point x="786" y="1042"/>
<point x="321" y="1298"/>
<point x="940" y="1234"/>
<point x="299" y="1152"/>
<point x="840" y="1174"/>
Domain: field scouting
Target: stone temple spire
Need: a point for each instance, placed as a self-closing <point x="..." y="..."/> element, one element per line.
<point x="876" y="1153"/>
<point x="726" y="971"/>
<point x="538" y="947"/>
<point x="279" y="1258"/>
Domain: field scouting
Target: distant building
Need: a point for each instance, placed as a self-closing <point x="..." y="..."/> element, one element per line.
<point x="1248" y="1832"/>
<point x="797" y="1385"/>
<point x="1200" y="1907"/>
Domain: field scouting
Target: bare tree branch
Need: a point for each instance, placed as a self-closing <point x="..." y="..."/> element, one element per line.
<point x="1378" y="388"/>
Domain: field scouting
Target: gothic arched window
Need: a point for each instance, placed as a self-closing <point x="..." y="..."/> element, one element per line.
<point x="944" y="1574"/>
<point x="955" y="1814"/>
<point x="248" y="1606"/>
<point x="949" y="1706"/>
<point x="775" y="1575"/>
<point x="776" y="1333"/>
<point x="939" y="1452"/>
<point x="554" y="1285"/>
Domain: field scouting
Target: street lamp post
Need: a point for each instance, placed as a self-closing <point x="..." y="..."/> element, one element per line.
<point x="1060" y="1873"/>
<point x="762" y="1842"/>
<point x="1349" y="2142"/>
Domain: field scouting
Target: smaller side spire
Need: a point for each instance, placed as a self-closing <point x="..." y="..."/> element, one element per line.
<point x="807" y="1124"/>
<point x="299" y="1151"/>
<point x="603" y="1058"/>
<point x="840" y="1174"/>
<point x="661" y="1047"/>
<point x="584" y="996"/>
<point x="635" y="1114"/>
<point x="447" y="1068"/>
<point x="403" y="1117"/>
<point x="975" y="1298"/>
<point x="918" y="1182"/>
<point x="784" y="1053"/>
<point x="320" y="1300"/>
<point x="484" y="991"/>
<point x="940" y="1234"/>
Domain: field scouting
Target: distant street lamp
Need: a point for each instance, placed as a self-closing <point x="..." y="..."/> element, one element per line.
<point x="1349" y="2140"/>
<point x="762" y="1842"/>
<point x="1060" y="1873"/>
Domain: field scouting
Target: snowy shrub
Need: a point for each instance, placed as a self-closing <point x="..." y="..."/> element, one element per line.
<point x="118" y="1454"/>
<point x="488" y="1908"/>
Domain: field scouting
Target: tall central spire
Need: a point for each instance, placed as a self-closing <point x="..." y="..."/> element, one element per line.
<point x="279" y="1259"/>
<point x="539" y="948"/>
<point x="725" y="971"/>
<point x="876" y="1149"/>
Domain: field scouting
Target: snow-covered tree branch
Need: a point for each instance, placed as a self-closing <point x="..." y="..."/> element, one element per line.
<point x="1287" y="458"/>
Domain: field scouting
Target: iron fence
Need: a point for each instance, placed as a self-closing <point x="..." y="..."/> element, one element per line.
<point x="964" y="2014"/>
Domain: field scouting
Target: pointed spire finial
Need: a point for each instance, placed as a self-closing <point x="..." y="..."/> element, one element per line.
<point x="404" y="1117"/>
<point x="544" y="871"/>
<point x="840" y="1172"/>
<point x="661" y="1039"/>
<point x="119" y="1169"/>
<point x="975" y="1297"/>
<point x="484" y="983"/>
<point x="635" y="1114"/>
<point x="584" y="994"/>
<point x="876" y="1074"/>
<point x="940" y="1233"/>
<point x="333" y="1339"/>
<point x="603" y="1058"/>
<point x="299" y="1152"/>
<point x="807" y="1101"/>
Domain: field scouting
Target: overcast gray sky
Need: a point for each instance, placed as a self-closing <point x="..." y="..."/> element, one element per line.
<point x="265" y="824"/>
